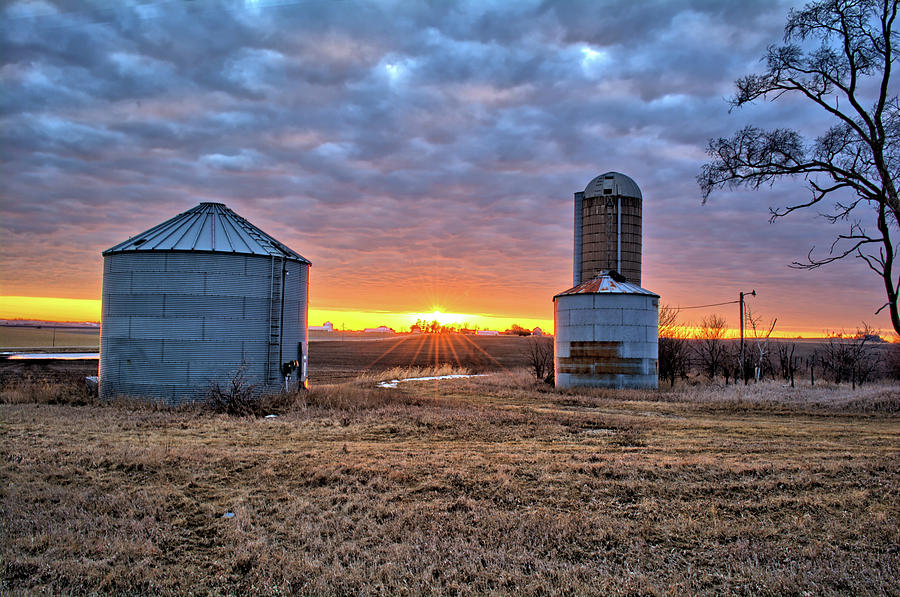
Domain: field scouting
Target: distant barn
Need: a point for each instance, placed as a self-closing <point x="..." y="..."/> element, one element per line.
<point x="198" y="300"/>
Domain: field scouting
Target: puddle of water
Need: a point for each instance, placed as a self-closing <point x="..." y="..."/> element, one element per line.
<point x="393" y="383"/>
<point x="60" y="356"/>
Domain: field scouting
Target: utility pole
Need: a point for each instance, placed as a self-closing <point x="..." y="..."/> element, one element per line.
<point x="743" y="377"/>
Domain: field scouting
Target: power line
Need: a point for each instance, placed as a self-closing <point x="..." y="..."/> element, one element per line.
<point x="704" y="306"/>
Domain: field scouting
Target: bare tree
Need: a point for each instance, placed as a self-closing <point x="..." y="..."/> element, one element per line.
<point x="854" y="164"/>
<point x="731" y="363"/>
<point x="540" y="358"/>
<point x="788" y="363"/>
<point x="711" y="349"/>
<point x="674" y="357"/>
<point x="848" y="357"/>
<point x="761" y="341"/>
<point x="892" y="362"/>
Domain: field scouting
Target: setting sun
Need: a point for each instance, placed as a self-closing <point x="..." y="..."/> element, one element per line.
<point x="442" y="318"/>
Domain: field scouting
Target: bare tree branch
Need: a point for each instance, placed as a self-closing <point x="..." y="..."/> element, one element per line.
<point x="848" y="76"/>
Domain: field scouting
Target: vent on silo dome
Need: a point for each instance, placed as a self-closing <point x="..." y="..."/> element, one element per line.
<point x="612" y="183"/>
<point x="198" y="300"/>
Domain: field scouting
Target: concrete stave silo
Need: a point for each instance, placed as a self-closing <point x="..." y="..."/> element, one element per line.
<point x="607" y="325"/>
<point x="606" y="334"/>
<point x="608" y="228"/>
<point x="197" y="300"/>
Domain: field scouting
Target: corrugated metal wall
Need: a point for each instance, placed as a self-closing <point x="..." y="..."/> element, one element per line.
<point x="173" y="323"/>
<point x="606" y="340"/>
<point x="296" y="306"/>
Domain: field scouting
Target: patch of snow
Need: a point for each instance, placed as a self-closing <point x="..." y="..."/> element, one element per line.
<point x="393" y="383"/>
<point x="62" y="356"/>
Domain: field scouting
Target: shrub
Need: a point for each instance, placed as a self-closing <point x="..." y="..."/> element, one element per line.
<point x="540" y="358"/>
<point x="237" y="398"/>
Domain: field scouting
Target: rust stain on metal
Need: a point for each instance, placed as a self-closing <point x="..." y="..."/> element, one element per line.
<point x="607" y="282"/>
<point x="595" y="358"/>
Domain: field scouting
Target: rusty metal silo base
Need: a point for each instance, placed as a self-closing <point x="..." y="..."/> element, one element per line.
<point x="606" y="335"/>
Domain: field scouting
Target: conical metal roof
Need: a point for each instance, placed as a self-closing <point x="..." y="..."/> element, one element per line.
<point x="608" y="282"/>
<point x="612" y="183"/>
<point x="209" y="228"/>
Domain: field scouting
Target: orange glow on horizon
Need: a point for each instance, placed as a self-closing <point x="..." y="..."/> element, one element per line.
<point x="357" y="320"/>
<point x="78" y="310"/>
<point x="43" y="308"/>
<point x="789" y="334"/>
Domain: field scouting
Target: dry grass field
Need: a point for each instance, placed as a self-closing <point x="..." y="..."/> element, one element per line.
<point x="334" y="360"/>
<point x="29" y="337"/>
<point x="486" y="485"/>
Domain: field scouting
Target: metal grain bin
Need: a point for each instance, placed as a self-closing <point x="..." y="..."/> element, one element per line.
<point x="608" y="228"/>
<point x="197" y="300"/>
<point x="606" y="334"/>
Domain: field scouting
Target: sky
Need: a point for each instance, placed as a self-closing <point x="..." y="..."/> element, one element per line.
<point x="423" y="155"/>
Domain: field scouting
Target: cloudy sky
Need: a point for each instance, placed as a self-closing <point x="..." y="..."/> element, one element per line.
<point x="421" y="154"/>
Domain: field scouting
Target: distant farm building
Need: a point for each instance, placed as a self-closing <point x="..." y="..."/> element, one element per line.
<point x="200" y="300"/>
<point x="326" y="327"/>
<point x="382" y="329"/>
<point x="537" y="332"/>
<point x="487" y="333"/>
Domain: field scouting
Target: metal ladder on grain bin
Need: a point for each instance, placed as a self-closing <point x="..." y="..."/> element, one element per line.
<point x="276" y="294"/>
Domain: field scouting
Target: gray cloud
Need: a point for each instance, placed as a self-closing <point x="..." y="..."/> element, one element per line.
<point x="441" y="137"/>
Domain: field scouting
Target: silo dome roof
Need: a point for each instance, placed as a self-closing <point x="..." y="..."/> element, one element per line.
<point x="612" y="183"/>
<point x="608" y="282"/>
<point x="209" y="228"/>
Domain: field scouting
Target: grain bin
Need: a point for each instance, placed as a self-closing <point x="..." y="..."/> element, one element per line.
<point x="608" y="228"/>
<point x="606" y="334"/>
<point x="197" y="300"/>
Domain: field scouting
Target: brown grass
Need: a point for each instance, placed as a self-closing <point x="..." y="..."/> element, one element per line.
<point x="23" y="337"/>
<point x="331" y="360"/>
<point x="70" y="389"/>
<point x="492" y="485"/>
<point x="411" y="372"/>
